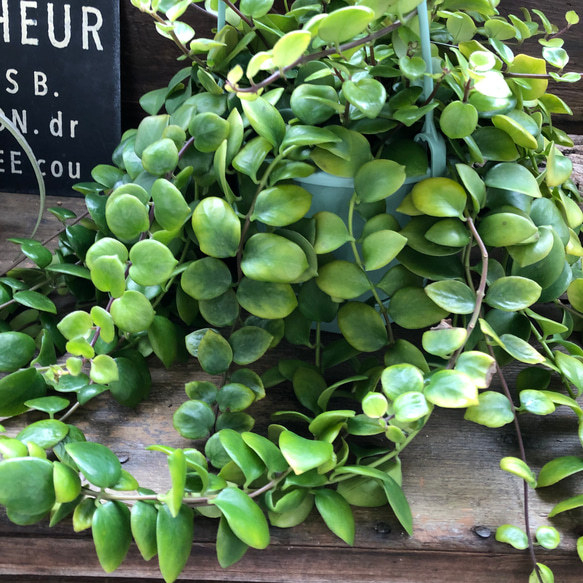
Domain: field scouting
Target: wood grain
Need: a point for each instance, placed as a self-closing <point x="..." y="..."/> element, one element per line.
<point x="148" y="61"/>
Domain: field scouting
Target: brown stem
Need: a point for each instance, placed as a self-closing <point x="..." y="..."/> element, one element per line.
<point x="523" y="458"/>
<point x="319" y="55"/>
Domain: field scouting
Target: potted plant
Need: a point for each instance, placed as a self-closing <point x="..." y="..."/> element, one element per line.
<point x="201" y="240"/>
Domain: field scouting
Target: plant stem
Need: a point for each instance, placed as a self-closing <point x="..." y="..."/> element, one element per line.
<point x="320" y="55"/>
<point x="523" y="458"/>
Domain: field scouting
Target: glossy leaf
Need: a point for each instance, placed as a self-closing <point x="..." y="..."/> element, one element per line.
<point x="411" y="308"/>
<point x="452" y="295"/>
<point x="26" y="485"/>
<point x="451" y="389"/>
<point x="16" y="350"/>
<point x="265" y="120"/>
<point x="132" y="312"/>
<point x="281" y="205"/>
<point x="362" y="326"/>
<point x="559" y="469"/>
<point x="342" y="279"/>
<point x="443" y="342"/>
<point x="410" y="406"/>
<point x="174" y="537"/>
<point x="512" y="293"/>
<point x="518" y="468"/>
<point x="245" y="518"/>
<point x="439" y="197"/>
<point x="230" y="548"/>
<point x="336" y="513"/>
<point x="193" y="419"/>
<point x="97" y="463"/>
<point x="45" y="433"/>
<point x="512" y="535"/>
<point x="513" y="177"/>
<point x="214" y="353"/>
<point x="111" y="532"/>
<point x="266" y="299"/>
<point x="401" y="378"/>
<point x="345" y="23"/>
<point x="152" y="263"/>
<point x="493" y="410"/>
<point x="367" y="95"/>
<point x="271" y="258"/>
<point x="217" y="227"/>
<point x="304" y="454"/>
<point x="143" y="526"/>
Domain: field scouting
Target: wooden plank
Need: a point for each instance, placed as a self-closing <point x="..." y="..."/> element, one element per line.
<point x="149" y="61"/>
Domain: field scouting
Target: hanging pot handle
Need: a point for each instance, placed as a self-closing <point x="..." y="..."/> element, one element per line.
<point x="429" y="135"/>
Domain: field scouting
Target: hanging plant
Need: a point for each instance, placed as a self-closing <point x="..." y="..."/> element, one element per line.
<point x="201" y="238"/>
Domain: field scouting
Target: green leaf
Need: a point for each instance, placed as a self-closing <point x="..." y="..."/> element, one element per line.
<point x="248" y="461"/>
<point x="249" y="159"/>
<point x="513" y="177"/>
<point x="266" y="299"/>
<point x="513" y="293"/>
<point x="244" y="517"/>
<point x="170" y="208"/>
<point x="177" y="467"/>
<point x="17" y="388"/>
<point x="163" y="338"/>
<point x="480" y="367"/>
<point x="206" y="278"/>
<point x="290" y="47"/>
<point x="519" y="468"/>
<point x="26" y="485"/>
<point x="373" y="405"/>
<point x="97" y="463"/>
<point x="209" y="131"/>
<point x="398" y="379"/>
<point x="267" y="451"/>
<point x="559" y="469"/>
<point x="265" y="120"/>
<point x="512" y="535"/>
<point x="304" y="454"/>
<point x="381" y="247"/>
<point x="412" y="308"/>
<point x="342" y="279"/>
<point x="214" y="353"/>
<point x="67" y="483"/>
<point x="45" y="433"/>
<point x="174" y="537"/>
<point x="520" y="349"/>
<point x="152" y="263"/>
<point x="536" y="402"/>
<point x="281" y="205"/>
<point x="132" y="312"/>
<point x="410" y="406"/>
<point x="135" y="380"/>
<point x="444" y="341"/>
<point x="104" y="370"/>
<point x="193" y="419"/>
<point x="143" y="526"/>
<point x="367" y="95"/>
<point x="344" y="23"/>
<point x="439" y="197"/>
<point x="249" y="344"/>
<point x="35" y="300"/>
<point x="452" y="295"/>
<point x="362" y="326"/>
<point x="565" y="505"/>
<point x="230" y="548"/>
<point x="393" y="491"/>
<point x="548" y="537"/>
<point x="126" y="216"/>
<point x="271" y="258"/>
<point x="451" y="389"/>
<point x="234" y="397"/>
<point x="336" y="513"/>
<point x="458" y="120"/>
<point x="111" y="534"/>
<point x="493" y="410"/>
<point x="16" y="350"/>
<point x="217" y="227"/>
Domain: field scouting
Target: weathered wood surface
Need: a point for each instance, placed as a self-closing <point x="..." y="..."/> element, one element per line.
<point x="148" y="61"/>
<point x="452" y="480"/>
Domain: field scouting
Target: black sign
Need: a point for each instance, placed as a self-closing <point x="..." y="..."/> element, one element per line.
<point x="60" y="86"/>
